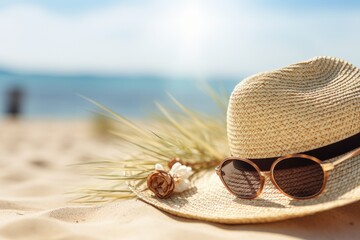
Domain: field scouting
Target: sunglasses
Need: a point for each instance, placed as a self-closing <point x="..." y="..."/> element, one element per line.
<point x="298" y="176"/>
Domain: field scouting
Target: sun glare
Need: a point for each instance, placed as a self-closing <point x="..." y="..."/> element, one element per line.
<point x="192" y="24"/>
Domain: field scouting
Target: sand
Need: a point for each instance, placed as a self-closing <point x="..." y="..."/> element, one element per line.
<point x="35" y="175"/>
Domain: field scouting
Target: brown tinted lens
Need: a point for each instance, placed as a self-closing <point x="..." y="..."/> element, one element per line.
<point x="299" y="177"/>
<point x="241" y="178"/>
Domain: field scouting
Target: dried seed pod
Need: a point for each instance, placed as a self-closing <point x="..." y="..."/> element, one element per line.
<point x="173" y="161"/>
<point x="161" y="183"/>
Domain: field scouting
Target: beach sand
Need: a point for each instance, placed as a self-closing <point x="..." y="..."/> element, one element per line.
<point x="36" y="174"/>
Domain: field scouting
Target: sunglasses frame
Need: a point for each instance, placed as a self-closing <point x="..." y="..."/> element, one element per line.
<point x="261" y="174"/>
<point x="325" y="165"/>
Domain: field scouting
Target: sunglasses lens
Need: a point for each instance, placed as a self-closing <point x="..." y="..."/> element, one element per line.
<point x="241" y="178"/>
<point x="299" y="177"/>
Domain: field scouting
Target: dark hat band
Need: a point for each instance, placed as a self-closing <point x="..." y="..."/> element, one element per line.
<point x="323" y="153"/>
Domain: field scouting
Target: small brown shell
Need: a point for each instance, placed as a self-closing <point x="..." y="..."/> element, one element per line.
<point x="173" y="161"/>
<point x="161" y="183"/>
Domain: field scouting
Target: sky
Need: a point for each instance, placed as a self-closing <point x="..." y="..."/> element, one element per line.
<point x="198" y="38"/>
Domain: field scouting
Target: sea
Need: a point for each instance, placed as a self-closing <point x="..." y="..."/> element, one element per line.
<point x="134" y="96"/>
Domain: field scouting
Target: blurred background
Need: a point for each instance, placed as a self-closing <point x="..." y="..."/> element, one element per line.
<point x="126" y="54"/>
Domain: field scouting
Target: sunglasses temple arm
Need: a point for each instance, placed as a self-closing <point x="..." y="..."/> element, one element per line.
<point x="217" y="169"/>
<point x="354" y="153"/>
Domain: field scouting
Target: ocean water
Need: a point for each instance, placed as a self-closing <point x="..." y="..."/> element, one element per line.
<point x="57" y="96"/>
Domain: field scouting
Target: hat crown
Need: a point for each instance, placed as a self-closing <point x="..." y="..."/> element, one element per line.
<point x="294" y="109"/>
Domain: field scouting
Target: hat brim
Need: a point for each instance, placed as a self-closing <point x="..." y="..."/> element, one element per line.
<point x="209" y="200"/>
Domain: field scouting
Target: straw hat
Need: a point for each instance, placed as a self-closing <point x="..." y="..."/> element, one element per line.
<point x="298" y="108"/>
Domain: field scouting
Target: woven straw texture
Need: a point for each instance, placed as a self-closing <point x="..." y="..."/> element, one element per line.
<point x="297" y="108"/>
<point x="294" y="109"/>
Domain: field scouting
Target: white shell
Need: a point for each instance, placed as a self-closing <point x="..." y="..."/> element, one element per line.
<point x="159" y="167"/>
<point x="180" y="173"/>
<point x="182" y="185"/>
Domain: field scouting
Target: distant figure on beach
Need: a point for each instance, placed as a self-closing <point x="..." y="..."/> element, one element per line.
<point x="14" y="102"/>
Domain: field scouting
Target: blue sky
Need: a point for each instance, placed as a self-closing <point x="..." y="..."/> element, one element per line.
<point x="76" y="6"/>
<point x="199" y="38"/>
<point x="64" y="6"/>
